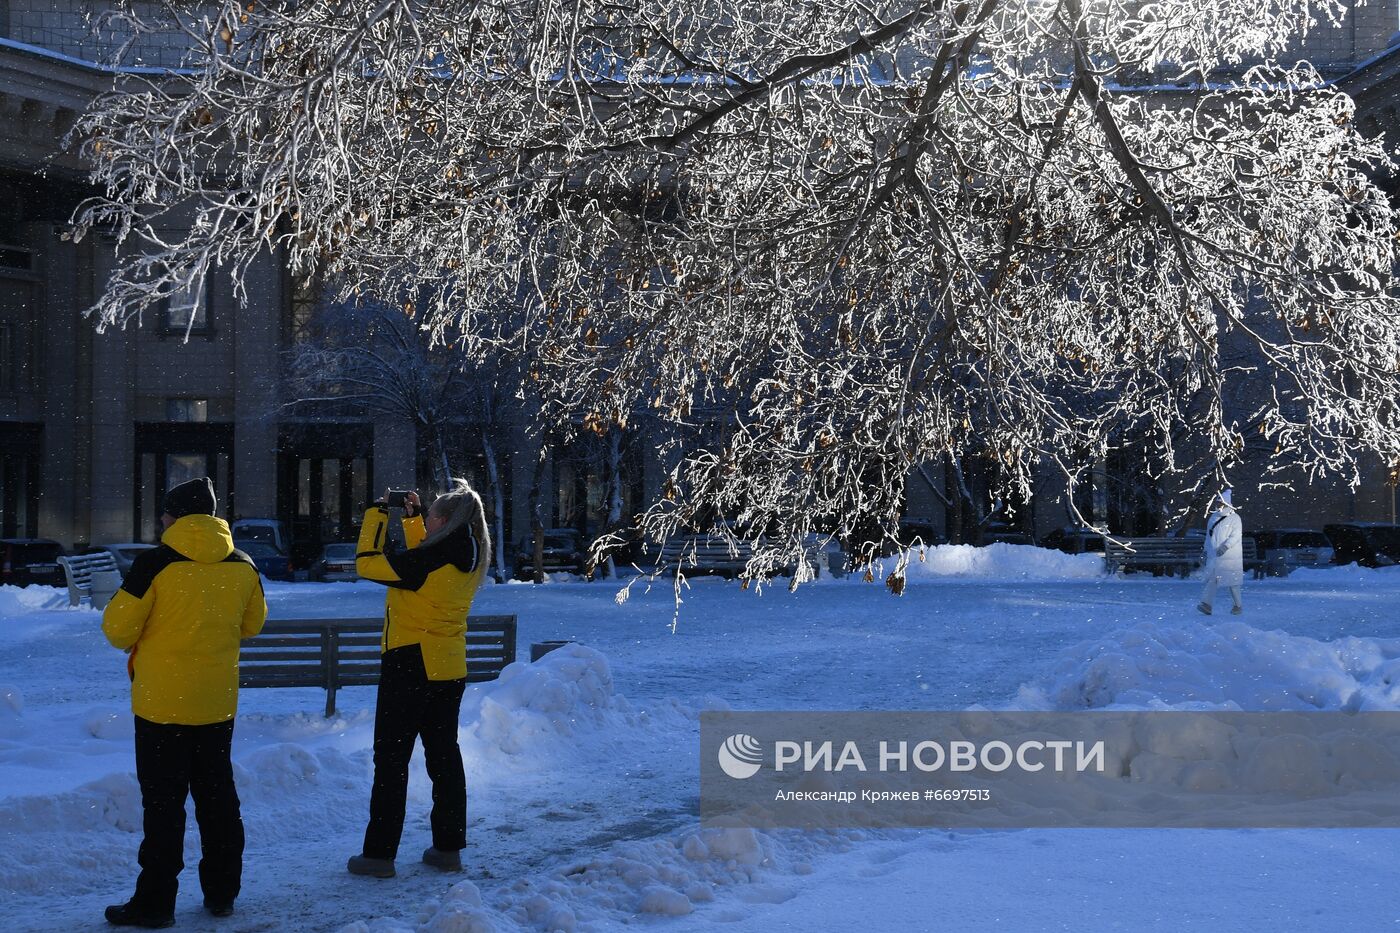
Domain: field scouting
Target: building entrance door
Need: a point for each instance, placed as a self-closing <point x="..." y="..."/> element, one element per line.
<point x="168" y="454"/>
<point x="324" y="476"/>
<point x="19" y="479"/>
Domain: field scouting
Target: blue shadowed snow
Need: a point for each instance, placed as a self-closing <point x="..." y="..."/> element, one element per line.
<point x="583" y="777"/>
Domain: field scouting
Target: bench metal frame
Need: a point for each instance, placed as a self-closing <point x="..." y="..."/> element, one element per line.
<point x="335" y="653"/>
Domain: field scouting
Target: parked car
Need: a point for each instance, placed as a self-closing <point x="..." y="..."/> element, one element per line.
<point x="268" y="530"/>
<point x="337" y="562"/>
<point x="563" y="553"/>
<point x="1001" y="536"/>
<point x="1073" y="540"/>
<point x="1283" y="550"/>
<point x="123" y="553"/>
<point x="918" y="532"/>
<point x="30" y="560"/>
<point x="1370" y="544"/>
<point x="271" y="563"/>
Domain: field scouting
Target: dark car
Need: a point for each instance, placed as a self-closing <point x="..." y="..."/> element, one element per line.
<point x="1370" y="544"/>
<point x="271" y="563"/>
<point x="1074" y="541"/>
<point x="30" y="560"/>
<point x="1005" y="536"/>
<point x="563" y="553"/>
<point x="917" y="532"/>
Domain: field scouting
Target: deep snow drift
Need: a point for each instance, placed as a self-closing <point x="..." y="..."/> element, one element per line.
<point x="582" y="773"/>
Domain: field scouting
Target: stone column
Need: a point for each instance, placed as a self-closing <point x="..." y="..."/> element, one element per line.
<point x="256" y="368"/>
<point x="113" y="481"/>
<point x="60" y="320"/>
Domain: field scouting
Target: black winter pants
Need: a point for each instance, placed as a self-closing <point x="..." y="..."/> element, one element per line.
<point x="174" y="761"/>
<point x="409" y="706"/>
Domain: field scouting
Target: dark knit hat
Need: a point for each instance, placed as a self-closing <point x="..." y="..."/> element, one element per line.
<point x="195" y="497"/>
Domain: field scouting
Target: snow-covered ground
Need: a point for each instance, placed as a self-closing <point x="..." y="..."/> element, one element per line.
<point x="583" y="779"/>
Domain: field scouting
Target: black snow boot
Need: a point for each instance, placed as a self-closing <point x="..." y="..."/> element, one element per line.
<point x="446" y="860"/>
<point x="224" y="909"/>
<point x="371" y="867"/>
<point x="132" y="914"/>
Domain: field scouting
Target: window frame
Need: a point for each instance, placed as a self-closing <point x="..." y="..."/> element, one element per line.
<point x="207" y="330"/>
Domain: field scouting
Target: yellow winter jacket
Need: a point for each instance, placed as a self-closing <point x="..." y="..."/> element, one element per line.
<point x="431" y="588"/>
<point x="182" y="609"/>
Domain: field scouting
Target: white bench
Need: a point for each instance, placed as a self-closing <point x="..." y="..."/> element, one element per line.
<point x="94" y="576"/>
<point x="712" y="553"/>
<point x="705" y="553"/>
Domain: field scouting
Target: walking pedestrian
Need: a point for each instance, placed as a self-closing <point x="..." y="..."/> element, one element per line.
<point x="1224" y="554"/>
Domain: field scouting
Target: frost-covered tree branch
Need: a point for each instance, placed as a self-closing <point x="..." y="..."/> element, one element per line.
<point x="851" y="238"/>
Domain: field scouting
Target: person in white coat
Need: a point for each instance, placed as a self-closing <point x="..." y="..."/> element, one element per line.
<point x="1224" y="554"/>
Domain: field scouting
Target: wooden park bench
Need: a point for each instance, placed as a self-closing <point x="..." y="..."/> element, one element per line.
<point x="94" y="576"/>
<point x="335" y="653"/>
<point x="1172" y="556"/>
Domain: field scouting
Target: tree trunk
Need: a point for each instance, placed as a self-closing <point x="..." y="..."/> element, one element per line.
<point x="614" y="495"/>
<point x="536" y="519"/>
<point x="493" y="482"/>
<point x="955" y="502"/>
<point x="442" y="472"/>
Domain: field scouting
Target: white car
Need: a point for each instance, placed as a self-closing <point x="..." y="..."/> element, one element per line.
<point x="123" y="553"/>
<point x="1283" y="550"/>
<point x="267" y="530"/>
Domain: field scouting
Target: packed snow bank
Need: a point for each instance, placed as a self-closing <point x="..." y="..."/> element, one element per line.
<point x="18" y="600"/>
<point x="531" y="704"/>
<point x="1226" y="666"/>
<point x="1002" y="561"/>
<point x="29" y="612"/>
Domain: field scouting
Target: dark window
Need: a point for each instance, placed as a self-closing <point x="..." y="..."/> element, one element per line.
<point x="1304" y="539"/>
<point x="1386" y="540"/>
<point x="7" y="357"/>
<point x="303" y="297"/>
<point x="186" y="409"/>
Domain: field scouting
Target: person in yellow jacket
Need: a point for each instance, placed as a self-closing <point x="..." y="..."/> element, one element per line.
<point x="423" y="667"/>
<point x="180" y="614"/>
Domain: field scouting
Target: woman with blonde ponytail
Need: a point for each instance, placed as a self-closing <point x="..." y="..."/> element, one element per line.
<point x="423" y="667"/>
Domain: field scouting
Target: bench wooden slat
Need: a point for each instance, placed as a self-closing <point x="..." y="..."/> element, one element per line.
<point x="281" y="670"/>
<point x="311" y="642"/>
<point x="260" y="656"/>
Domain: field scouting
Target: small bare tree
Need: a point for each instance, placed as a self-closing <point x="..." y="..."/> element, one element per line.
<point x="371" y="357"/>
